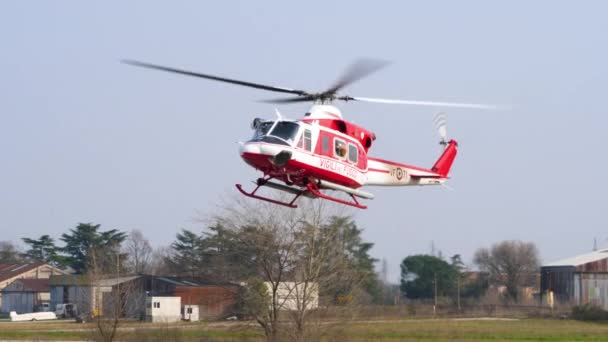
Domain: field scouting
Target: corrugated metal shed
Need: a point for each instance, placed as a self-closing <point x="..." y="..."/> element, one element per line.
<point x="596" y="261"/>
<point x="578" y="280"/>
<point x="25" y="295"/>
<point x="215" y="301"/>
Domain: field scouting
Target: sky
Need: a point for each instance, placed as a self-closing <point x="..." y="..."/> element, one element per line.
<point x="84" y="138"/>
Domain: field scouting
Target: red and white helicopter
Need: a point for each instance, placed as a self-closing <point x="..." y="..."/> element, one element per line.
<point x="322" y="151"/>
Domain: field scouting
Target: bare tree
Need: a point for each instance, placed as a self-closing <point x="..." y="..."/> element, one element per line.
<point x="512" y="263"/>
<point x="139" y="252"/>
<point x="110" y="298"/>
<point x="9" y="253"/>
<point x="293" y="257"/>
<point x="159" y="258"/>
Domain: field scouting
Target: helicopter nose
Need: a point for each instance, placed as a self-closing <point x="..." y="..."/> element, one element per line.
<point x="249" y="148"/>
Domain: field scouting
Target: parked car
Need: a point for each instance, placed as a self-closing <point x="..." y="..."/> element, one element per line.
<point x="85" y="318"/>
<point x="67" y="310"/>
<point x="44" y="307"/>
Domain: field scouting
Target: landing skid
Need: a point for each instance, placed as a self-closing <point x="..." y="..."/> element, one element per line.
<point x="265" y="182"/>
<point x="312" y="191"/>
<point x="315" y="191"/>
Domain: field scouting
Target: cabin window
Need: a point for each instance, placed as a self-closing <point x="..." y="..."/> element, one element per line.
<point x="352" y="153"/>
<point x="325" y="144"/>
<point x="306" y="140"/>
<point x="340" y="148"/>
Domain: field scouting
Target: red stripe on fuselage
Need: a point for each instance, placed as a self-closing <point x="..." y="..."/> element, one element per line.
<point x="378" y="170"/>
<point x="297" y="170"/>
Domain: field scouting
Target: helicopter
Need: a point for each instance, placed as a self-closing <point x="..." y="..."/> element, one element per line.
<point x="322" y="152"/>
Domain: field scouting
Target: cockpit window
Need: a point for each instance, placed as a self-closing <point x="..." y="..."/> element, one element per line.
<point x="262" y="129"/>
<point x="285" y="130"/>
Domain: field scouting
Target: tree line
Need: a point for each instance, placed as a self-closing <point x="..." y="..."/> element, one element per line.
<point x="511" y="264"/>
<point x="225" y="252"/>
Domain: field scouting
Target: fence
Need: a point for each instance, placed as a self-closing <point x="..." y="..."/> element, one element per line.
<point x="425" y="310"/>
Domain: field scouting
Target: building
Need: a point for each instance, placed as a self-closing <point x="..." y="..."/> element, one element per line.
<point x="26" y="295"/>
<point x="99" y="296"/>
<point x="578" y="280"/>
<point x="213" y="300"/>
<point x="35" y="270"/>
<point x="190" y="312"/>
<point x="163" y="309"/>
<point x="294" y="296"/>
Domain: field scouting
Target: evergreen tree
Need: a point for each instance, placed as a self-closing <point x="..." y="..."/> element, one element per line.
<point x="187" y="258"/>
<point x="85" y="245"/>
<point x="353" y="253"/>
<point x="44" y="250"/>
<point x="420" y="272"/>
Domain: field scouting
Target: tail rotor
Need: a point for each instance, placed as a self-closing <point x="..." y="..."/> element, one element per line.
<point x="441" y="126"/>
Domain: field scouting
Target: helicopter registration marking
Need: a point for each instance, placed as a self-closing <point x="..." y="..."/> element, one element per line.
<point x="339" y="168"/>
<point x="397" y="173"/>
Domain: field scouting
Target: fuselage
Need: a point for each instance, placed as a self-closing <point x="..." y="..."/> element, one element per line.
<point x="315" y="152"/>
<point x="322" y="146"/>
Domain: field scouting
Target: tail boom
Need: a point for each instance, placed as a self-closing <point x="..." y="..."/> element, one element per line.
<point x="388" y="173"/>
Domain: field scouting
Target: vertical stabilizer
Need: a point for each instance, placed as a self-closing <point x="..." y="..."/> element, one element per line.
<point x="444" y="163"/>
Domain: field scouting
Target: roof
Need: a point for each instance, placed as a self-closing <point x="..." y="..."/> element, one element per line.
<point x="8" y="271"/>
<point x="116" y="281"/>
<point x="83" y="280"/>
<point x="581" y="259"/>
<point x="186" y="281"/>
<point x="68" y="280"/>
<point x="29" y="285"/>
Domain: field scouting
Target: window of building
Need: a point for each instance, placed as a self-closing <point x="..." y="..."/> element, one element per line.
<point x="340" y="148"/>
<point x="352" y="153"/>
<point x="189" y="310"/>
<point x="157" y="304"/>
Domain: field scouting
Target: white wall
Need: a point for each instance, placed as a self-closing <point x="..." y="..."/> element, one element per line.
<point x="292" y="295"/>
<point x="191" y="313"/>
<point x="163" y="309"/>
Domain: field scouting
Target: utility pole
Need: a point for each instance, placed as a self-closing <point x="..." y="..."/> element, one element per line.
<point x="435" y="290"/>
<point x="458" y="291"/>
<point x="594" y="244"/>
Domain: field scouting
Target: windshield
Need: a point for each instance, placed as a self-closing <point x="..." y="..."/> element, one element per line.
<point x="285" y="130"/>
<point x="276" y="132"/>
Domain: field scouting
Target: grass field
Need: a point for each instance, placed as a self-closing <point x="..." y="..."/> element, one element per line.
<point x="406" y="330"/>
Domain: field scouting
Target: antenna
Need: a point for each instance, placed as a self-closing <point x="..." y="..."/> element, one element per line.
<point x="594" y="244"/>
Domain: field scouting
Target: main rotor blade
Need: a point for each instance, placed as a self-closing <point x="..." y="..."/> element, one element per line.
<point x="215" y="78"/>
<point x="357" y="71"/>
<point x="425" y="103"/>
<point x="304" y="98"/>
